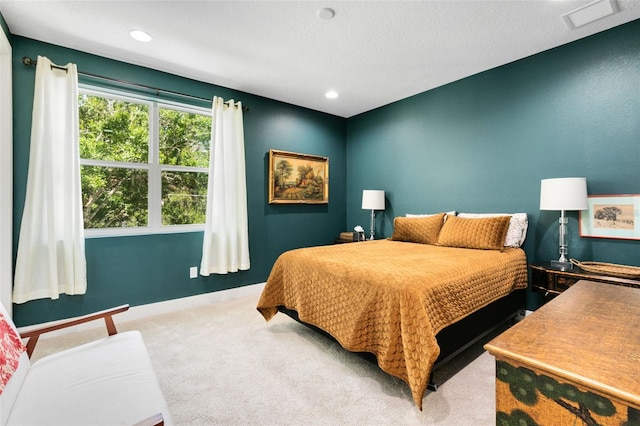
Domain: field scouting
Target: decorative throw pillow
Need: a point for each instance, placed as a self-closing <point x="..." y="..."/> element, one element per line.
<point x="482" y="233"/>
<point x="423" y="230"/>
<point x="11" y="347"/>
<point x="518" y="225"/>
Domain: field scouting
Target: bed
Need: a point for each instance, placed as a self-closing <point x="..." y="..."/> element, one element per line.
<point x="392" y="297"/>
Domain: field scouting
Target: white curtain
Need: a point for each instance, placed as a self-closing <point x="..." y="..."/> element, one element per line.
<point x="225" y="246"/>
<point x="51" y="257"/>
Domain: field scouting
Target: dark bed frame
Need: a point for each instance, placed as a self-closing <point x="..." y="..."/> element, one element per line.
<point x="459" y="336"/>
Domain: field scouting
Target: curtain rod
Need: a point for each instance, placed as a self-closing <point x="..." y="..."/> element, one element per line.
<point x="31" y="62"/>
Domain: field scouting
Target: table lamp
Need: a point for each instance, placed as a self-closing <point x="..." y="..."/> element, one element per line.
<point x="563" y="194"/>
<point x="373" y="199"/>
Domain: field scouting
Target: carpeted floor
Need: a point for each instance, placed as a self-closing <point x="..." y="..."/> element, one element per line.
<point x="222" y="364"/>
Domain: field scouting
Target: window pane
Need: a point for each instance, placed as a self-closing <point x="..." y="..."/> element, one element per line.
<point x="184" y="138"/>
<point x="113" y="130"/>
<point x="114" y="197"/>
<point x="184" y="197"/>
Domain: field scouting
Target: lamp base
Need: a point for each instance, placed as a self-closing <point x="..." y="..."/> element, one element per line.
<point x="373" y="224"/>
<point x="563" y="266"/>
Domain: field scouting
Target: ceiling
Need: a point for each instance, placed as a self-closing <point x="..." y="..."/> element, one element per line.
<point x="372" y="52"/>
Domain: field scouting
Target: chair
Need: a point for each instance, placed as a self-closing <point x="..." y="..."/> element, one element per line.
<point x="104" y="382"/>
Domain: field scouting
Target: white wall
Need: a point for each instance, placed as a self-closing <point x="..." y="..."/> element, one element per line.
<point x="6" y="173"/>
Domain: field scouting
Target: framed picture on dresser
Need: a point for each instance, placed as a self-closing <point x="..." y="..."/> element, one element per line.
<point x="611" y="216"/>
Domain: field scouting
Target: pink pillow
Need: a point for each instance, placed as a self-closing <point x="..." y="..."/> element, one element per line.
<point x="11" y="347"/>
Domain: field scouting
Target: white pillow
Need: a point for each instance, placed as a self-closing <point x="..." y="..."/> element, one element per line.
<point x="451" y="213"/>
<point x="518" y="225"/>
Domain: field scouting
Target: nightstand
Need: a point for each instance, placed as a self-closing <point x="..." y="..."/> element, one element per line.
<point x="348" y="237"/>
<point x="553" y="281"/>
<point x="340" y="241"/>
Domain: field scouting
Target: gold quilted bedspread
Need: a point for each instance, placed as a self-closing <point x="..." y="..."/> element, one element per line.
<point x="391" y="298"/>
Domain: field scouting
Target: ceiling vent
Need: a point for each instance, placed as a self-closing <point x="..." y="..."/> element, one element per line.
<point x="590" y="13"/>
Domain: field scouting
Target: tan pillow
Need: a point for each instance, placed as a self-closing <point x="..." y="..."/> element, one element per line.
<point x="423" y="230"/>
<point x="482" y="233"/>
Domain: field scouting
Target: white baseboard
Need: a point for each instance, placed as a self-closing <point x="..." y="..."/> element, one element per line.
<point x="159" y="308"/>
<point x="168" y="306"/>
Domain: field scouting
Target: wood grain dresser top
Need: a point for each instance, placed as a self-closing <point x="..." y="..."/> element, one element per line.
<point x="589" y="335"/>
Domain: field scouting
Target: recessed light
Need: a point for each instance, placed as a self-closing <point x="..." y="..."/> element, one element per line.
<point x="326" y="13"/>
<point x="331" y="94"/>
<point x="140" y="35"/>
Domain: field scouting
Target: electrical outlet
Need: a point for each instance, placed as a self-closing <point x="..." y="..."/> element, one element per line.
<point x="193" y="272"/>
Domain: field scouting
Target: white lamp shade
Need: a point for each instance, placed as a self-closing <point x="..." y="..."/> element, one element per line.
<point x="563" y="194"/>
<point x="373" y="199"/>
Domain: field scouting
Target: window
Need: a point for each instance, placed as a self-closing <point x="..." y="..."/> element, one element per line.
<point x="144" y="164"/>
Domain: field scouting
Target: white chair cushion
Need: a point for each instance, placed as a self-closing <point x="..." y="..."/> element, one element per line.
<point x="105" y="382"/>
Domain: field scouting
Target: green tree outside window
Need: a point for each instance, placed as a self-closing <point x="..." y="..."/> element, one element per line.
<point x="117" y="171"/>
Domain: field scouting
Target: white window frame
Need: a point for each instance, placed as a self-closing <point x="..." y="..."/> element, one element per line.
<point x="153" y="166"/>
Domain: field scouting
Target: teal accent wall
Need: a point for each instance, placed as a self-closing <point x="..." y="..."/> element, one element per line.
<point x="150" y="268"/>
<point x="482" y="144"/>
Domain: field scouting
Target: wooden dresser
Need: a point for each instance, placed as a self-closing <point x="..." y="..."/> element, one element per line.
<point x="574" y="361"/>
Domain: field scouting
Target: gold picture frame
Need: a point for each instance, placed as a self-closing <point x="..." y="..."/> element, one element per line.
<point x="298" y="178"/>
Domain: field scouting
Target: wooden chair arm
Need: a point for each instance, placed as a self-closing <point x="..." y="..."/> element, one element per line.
<point x="34" y="335"/>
